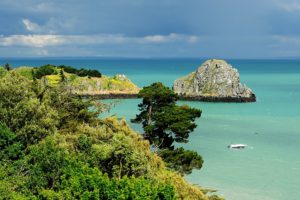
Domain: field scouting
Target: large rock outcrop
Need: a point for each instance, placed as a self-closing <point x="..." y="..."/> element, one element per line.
<point x="214" y="80"/>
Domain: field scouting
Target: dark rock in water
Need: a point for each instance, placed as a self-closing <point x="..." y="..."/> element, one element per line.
<point x="214" y="80"/>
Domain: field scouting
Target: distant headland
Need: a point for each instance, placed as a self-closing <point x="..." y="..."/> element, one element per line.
<point x="83" y="82"/>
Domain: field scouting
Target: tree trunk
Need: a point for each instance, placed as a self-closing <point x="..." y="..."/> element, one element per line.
<point x="150" y="114"/>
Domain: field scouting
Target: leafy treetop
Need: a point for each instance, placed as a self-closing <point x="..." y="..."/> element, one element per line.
<point x="49" y="69"/>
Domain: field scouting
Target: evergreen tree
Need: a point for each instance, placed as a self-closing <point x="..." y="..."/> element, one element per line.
<point x="62" y="76"/>
<point x="164" y="123"/>
<point x="8" y="67"/>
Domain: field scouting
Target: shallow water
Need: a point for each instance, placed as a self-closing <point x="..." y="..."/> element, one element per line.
<point x="270" y="167"/>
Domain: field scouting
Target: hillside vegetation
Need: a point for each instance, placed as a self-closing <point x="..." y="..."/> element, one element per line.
<point x="80" y="81"/>
<point x="52" y="146"/>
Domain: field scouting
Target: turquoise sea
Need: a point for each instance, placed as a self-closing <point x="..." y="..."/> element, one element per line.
<point x="270" y="168"/>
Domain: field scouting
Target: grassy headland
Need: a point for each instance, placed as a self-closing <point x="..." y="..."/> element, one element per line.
<point x="82" y="81"/>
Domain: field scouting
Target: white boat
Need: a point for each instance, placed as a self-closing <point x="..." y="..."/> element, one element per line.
<point x="237" y="146"/>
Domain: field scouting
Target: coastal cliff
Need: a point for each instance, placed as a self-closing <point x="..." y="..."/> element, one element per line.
<point x="105" y="87"/>
<point x="214" y="80"/>
<point x="118" y="86"/>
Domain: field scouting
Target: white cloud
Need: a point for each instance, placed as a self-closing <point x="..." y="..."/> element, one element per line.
<point x="291" y="7"/>
<point x="51" y="26"/>
<point x="291" y="40"/>
<point x="36" y="40"/>
<point x="156" y="38"/>
<point x="31" y="26"/>
<point x="32" y="40"/>
<point x="193" y="39"/>
<point x="170" y="38"/>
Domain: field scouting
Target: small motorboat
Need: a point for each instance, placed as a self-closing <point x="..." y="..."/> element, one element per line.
<point x="237" y="146"/>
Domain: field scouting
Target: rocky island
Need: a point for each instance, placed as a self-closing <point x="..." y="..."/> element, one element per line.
<point x="215" y="80"/>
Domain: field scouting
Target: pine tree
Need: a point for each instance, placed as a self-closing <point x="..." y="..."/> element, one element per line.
<point x="8" y="67"/>
<point x="164" y="123"/>
<point x="62" y="76"/>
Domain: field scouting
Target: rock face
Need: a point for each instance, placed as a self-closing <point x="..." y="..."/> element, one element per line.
<point x="214" y="80"/>
<point x="118" y="86"/>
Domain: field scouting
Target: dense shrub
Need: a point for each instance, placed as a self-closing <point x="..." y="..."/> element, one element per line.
<point x="2" y="71"/>
<point x="44" y="70"/>
<point x="49" y="69"/>
<point x="10" y="148"/>
<point x="183" y="161"/>
<point x="81" y="72"/>
<point x="68" y="69"/>
<point x="23" y="111"/>
<point x="88" y="72"/>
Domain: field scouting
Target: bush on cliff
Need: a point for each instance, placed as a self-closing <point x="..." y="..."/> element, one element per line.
<point x="2" y="71"/>
<point x="44" y="70"/>
<point x="81" y="72"/>
<point x="49" y="69"/>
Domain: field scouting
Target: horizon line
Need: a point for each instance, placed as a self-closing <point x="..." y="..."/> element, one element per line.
<point x="147" y="57"/>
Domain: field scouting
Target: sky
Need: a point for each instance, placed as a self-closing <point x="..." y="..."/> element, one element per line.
<point x="150" y="28"/>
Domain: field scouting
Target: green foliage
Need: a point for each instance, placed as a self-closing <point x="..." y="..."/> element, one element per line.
<point x="62" y="76"/>
<point x="90" y="183"/>
<point x="34" y="120"/>
<point x="68" y="69"/>
<point x="79" y="81"/>
<point x="9" y="146"/>
<point x="51" y="71"/>
<point x="54" y="146"/>
<point x="171" y="123"/>
<point x="80" y="72"/>
<point x="154" y="98"/>
<point x="71" y="109"/>
<point x="8" y="66"/>
<point x="88" y="72"/>
<point x="2" y="71"/>
<point x="120" y="157"/>
<point x="25" y="71"/>
<point x="22" y="111"/>
<point x="84" y="143"/>
<point x="6" y="137"/>
<point x="44" y="70"/>
<point x="164" y="123"/>
<point x="45" y="164"/>
<point x="8" y="185"/>
<point x="94" y="85"/>
<point x="51" y="171"/>
<point x="183" y="161"/>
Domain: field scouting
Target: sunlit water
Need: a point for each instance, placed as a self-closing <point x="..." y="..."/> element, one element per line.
<point x="270" y="167"/>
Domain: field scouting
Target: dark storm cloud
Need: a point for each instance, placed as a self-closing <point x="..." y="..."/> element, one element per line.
<point x="191" y="28"/>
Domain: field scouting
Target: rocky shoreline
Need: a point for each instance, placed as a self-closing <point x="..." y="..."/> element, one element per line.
<point x="111" y="96"/>
<point x="181" y="97"/>
<point x="219" y="99"/>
